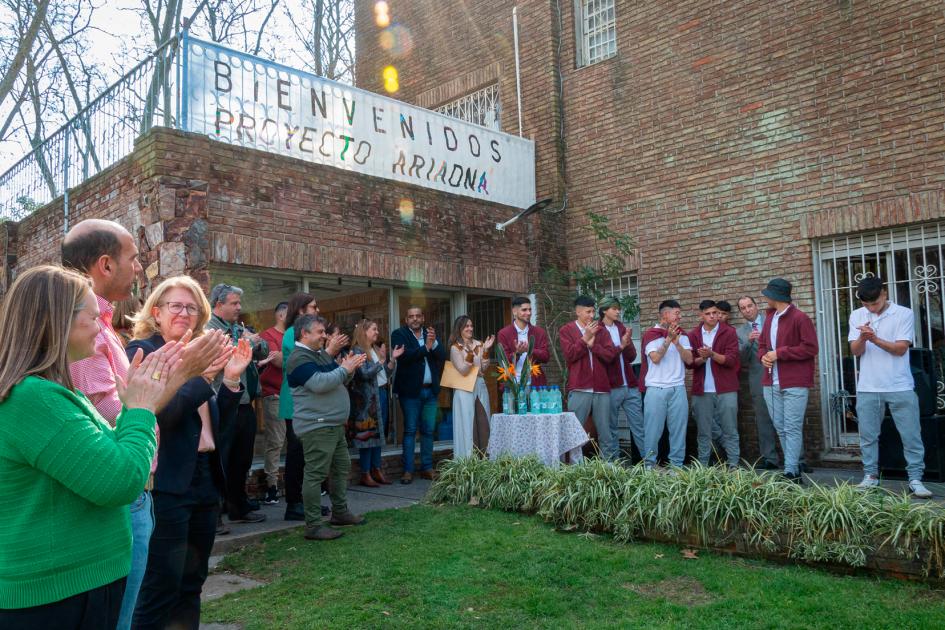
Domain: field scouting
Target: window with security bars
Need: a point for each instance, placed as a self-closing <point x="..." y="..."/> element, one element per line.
<point x="480" y="108"/>
<point x="911" y="262"/>
<point x="621" y="287"/>
<point x="596" y="30"/>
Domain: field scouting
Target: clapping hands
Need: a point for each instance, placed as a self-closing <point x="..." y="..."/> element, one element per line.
<point x="147" y="379"/>
<point x="353" y="362"/>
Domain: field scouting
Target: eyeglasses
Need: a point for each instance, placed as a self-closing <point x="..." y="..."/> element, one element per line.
<point x="175" y="308"/>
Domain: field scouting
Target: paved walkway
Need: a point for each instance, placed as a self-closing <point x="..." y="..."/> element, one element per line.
<point x="361" y="500"/>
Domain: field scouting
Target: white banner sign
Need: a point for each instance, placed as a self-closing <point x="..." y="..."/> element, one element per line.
<point x="253" y="103"/>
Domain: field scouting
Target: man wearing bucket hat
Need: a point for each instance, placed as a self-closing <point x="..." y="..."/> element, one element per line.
<point x="786" y="349"/>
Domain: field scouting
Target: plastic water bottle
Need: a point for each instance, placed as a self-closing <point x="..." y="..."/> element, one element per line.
<point x="542" y="400"/>
<point x="547" y="400"/>
<point x="557" y="405"/>
<point x="522" y="404"/>
<point x="506" y="401"/>
<point x="534" y="400"/>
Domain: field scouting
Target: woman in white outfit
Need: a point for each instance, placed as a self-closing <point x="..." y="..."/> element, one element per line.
<point x="470" y="409"/>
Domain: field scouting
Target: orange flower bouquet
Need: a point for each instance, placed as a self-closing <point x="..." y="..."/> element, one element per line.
<point x="518" y="384"/>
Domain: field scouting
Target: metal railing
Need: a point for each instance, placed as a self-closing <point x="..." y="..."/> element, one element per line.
<point x="97" y="137"/>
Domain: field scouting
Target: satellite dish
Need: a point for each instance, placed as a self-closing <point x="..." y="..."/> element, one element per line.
<point x="532" y="209"/>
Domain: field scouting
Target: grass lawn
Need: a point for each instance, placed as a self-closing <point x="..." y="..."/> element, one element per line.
<point x="445" y="567"/>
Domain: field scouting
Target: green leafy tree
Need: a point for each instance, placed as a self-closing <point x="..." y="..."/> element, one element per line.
<point x="557" y="288"/>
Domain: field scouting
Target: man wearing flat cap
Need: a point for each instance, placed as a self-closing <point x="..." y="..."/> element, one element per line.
<point x="624" y="393"/>
<point x="786" y="349"/>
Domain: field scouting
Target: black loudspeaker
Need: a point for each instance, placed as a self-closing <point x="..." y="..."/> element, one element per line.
<point x="922" y="361"/>
<point x="892" y="463"/>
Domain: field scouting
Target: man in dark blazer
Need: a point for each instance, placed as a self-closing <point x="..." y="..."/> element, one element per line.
<point x="417" y="385"/>
<point x="748" y="335"/>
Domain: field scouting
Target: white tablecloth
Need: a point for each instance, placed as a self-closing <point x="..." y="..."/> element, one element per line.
<point x="549" y="436"/>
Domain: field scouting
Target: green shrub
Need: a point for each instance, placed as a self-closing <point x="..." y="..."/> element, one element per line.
<point x="757" y="511"/>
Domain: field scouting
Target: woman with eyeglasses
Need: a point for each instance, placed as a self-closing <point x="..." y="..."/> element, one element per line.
<point x="189" y="479"/>
<point x="68" y="477"/>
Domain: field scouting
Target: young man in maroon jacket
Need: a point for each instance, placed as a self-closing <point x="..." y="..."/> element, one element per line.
<point x="624" y="394"/>
<point x="715" y="382"/>
<point x="786" y="349"/>
<point x="588" y="350"/>
<point x="515" y="338"/>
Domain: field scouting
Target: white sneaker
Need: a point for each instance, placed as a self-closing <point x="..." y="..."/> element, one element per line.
<point x="919" y="490"/>
<point x="869" y="482"/>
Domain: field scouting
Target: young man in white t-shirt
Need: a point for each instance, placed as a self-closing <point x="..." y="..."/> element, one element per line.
<point x="880" y="335"/>
<point x="667" y="352"/>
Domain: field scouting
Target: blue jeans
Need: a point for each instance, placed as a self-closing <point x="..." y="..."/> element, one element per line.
<point x="142" y="524"/>
<point x="371" y="457"/>
<point x="665" y="407"/>
<point x="904" y="407"/>
<point x="787" y="408"/>
<point x="419" y="412"/>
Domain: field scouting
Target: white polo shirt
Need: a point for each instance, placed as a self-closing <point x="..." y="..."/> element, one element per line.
<point x="670" y="371"/>
<point x="708" y="338"/>
<point x="881" y="371"/>
<point x="522" y="336"/>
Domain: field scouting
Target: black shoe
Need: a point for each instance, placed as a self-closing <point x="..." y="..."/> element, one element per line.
<point x="248" y="517"/>
<point x="798" y="479"/>
<point x="805" y="468"/>
<point x="252" y="505"/>
<point x="326" y="510"/>
<point x="272" y="496"/>
<point x="294" y="512"/>
<point x="768" y="466"/>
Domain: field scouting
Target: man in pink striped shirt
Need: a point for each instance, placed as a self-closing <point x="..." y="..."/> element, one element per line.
<point x="106" y="252"/>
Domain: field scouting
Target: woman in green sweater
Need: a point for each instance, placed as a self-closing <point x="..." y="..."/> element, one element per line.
<point x="65" y="548"/>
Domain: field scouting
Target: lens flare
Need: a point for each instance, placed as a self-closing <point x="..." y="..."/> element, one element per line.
<point x="396" y="39"/>
<point x="415" y="278"/>
<point x="381" y="14"/>
<point x="406" y="211"/>
<point x="391" y="79"/>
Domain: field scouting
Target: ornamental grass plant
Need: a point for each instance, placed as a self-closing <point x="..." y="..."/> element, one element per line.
<point x="742" y="509"/>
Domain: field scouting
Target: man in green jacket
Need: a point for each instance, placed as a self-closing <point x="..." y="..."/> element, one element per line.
<point x="320" y="410"/>
<point x="239" y="439"/>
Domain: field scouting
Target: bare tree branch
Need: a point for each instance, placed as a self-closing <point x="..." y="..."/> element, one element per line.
<point x="23" y="51"/>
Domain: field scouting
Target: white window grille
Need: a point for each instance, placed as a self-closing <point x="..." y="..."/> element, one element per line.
<point x="596" y="30"/>
<point x="911" y="262"/>
<point x="480" y="108"/>
<point x="621" y="287"/>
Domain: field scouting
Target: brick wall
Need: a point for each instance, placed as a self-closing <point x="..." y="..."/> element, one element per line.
<point x="723" y="136"/>
<point x="192" y="202"/>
